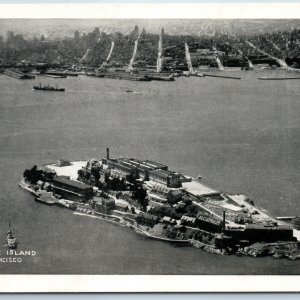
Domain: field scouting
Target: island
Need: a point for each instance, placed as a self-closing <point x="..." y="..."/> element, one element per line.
<point x="163" y="205"/>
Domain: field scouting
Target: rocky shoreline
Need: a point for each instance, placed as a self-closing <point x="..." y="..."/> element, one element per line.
<point x="143" y="230"/>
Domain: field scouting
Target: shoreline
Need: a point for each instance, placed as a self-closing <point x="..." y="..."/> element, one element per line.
<point x="117" y="220"/>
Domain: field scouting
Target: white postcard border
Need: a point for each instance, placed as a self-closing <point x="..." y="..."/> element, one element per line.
<point x="152" y="10"/>
<point x="147" y="283"/>
<point x="153" y="283"/>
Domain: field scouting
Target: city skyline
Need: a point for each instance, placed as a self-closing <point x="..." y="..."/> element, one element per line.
<point x="62" y="28"/>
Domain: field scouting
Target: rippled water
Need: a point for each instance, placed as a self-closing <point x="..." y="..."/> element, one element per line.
<point x="241" y="135"/>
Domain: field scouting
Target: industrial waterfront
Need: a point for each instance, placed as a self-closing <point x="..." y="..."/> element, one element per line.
<point x="241" y="140"/>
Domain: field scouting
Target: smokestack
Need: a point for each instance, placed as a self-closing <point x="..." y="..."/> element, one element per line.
<point x="224" y="220"/>
<point x="107" y="153"/>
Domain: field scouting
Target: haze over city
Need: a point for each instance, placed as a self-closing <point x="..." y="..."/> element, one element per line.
<point x="59" y="28"/>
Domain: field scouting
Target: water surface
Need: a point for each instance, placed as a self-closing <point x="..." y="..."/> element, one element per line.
<point x="242" y="136"/>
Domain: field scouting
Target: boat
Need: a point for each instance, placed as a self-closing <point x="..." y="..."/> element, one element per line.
<point x="128" y="91"/>
<point x="45" y="200"/>
<point x="278" y="78"/>
<point x="48" y="88"/>
<point x="11" y="241"/>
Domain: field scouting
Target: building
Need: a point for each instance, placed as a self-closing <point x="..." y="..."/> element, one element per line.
<point x="260" y="232"/>
<point x="141" y="168"/>
<point x="104" y="206"/>
<point x="156" y="198"/>
<point x="121" y="170"/>
<point x="157" y="193"/>
<point x="121" y="206"/>
<point x="63" y="163"/>
<point x="174" y="196"/>
<point x="70" y="189"/>
<point x="168" y="178"/>
<point x="40" y="184"/>
<point x="188" y="221"/>
<point x="155" y="165"/>
<point x="208" y="223"/>
<point x="147" y="219"/>
<point x="168" y="220"/>
<point x="47" y="186"/>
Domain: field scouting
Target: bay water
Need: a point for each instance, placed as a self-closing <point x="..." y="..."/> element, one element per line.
<point x="242" y="136"/>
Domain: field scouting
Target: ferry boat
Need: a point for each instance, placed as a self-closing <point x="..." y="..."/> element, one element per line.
<point x="48" y="88"/>
<point x="11" y="241"/>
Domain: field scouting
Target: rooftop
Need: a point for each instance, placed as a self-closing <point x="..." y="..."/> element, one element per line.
<point x="147" y="216"/>
<point x="138" y="164"/>
<point x="198" y="189"/>
<point x="77" y="184"/>
<point x="154" y="165"/>
<point x="164" y="173"/>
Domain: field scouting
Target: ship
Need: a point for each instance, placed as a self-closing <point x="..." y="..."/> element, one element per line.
<point x="45" y="200"/>
<point x="48" y="88"/>
<point x="278" y="78"/>
<point x="11" y="241"/>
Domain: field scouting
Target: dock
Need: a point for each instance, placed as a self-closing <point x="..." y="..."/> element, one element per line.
<point x="60" y="73"/>
<point x="123" y="75"/>
<point x="278" y="78"/>
<point x="221" y="76"/>
<point x="18" y="74"/>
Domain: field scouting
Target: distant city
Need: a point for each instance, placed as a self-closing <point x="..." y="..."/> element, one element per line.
<point x="186" y="47"/>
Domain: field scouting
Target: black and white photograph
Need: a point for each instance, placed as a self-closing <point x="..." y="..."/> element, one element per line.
<point x="149" y="146"/>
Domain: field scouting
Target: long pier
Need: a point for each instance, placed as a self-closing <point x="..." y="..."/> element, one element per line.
<point x="123" y="75"/>
<point x="282" y="63"/>
<point x="188" y="58"/>
<point x="221" y="76"/>
<point x="18" y="74"/>
<point x="159" y="54"/>
<point x="136" y="42"/>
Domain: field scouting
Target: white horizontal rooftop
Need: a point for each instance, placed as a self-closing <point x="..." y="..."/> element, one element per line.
<point x="198" y="189"/>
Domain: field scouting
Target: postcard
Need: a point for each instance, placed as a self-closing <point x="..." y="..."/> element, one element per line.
<point x="149" y="147"/>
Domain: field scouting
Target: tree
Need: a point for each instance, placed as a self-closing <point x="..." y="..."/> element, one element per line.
<point x="141" y="195"/>
<point x="80" y="174"/>
<point x="33" y="175"/>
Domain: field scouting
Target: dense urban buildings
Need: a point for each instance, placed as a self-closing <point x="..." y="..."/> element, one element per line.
<point x="142" y="50"/>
